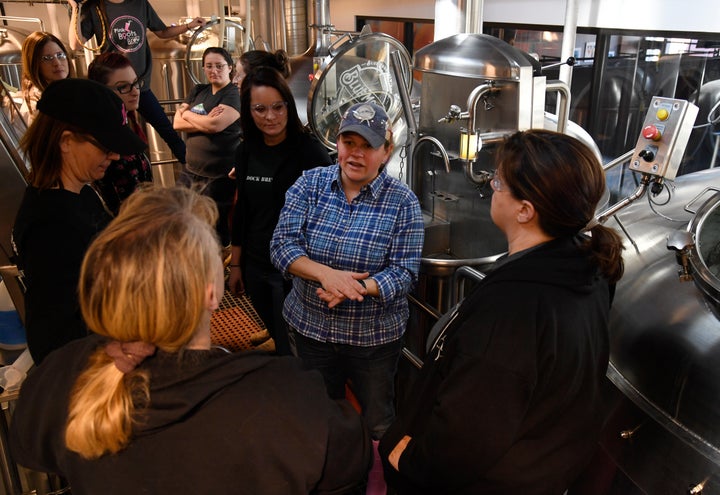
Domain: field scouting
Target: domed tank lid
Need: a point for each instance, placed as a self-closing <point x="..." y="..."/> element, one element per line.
<point x="474" y="55"/>
<point x="705" y="227"/>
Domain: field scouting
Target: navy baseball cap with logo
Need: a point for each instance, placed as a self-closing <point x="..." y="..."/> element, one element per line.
<point x="369" y="120"/>
<point x="95" y="110"/>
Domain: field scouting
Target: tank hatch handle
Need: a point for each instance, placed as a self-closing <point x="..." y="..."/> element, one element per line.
<point x="690" y="206"/>
<point x="682" y="242"/>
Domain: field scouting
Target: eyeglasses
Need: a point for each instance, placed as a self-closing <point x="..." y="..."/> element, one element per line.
<point x="278" y="108"/>
<point x="95" y="143"/>
<point x="497" y="184"/>
<point x="127" y="87"/>
<point x="210" y="67"/>
<point x="48" y="59"/>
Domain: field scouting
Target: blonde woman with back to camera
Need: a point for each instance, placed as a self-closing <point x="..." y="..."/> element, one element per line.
<point x="147" y="405"/>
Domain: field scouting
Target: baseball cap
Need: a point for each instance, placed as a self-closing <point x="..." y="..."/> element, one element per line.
<point x="93" y="108"/>
<point x="369" y="120"/>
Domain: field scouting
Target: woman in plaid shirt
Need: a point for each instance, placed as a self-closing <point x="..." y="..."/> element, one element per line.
<point x="350" y="236"/>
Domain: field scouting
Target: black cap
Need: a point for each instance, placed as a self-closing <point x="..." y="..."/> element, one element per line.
<point x="95" y="109"/>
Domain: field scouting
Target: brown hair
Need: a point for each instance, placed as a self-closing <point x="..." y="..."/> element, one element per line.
<point x="144" y="278"/>
<point x="565" y="182"/>
<point x="31" y="49"/>
<point x="267" y="76"/>
<point x="224" y="54"/>
<point x="278" y="60"/>
<point x="41" y="144"/>
<point x="105" y="64"/>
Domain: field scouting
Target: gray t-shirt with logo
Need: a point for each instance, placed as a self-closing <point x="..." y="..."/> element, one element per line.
<point x="125" y="25"/>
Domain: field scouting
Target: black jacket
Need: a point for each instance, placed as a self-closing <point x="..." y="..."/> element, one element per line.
<point x="513" y="401"/>
<point x="217" y="423"/>
<point x="53" y="229"/>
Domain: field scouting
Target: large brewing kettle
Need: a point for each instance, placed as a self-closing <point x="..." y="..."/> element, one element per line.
<point x="665" y="339"/>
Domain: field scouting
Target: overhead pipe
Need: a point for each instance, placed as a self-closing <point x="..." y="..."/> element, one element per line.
<point x="248" y="24"/>
<point x="457" y="16"/>
<point x="474" y="16"/>
<point x="322" y="27"/>
<point x="568" y="45"/>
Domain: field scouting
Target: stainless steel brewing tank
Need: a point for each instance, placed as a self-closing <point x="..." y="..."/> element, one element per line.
<point x="665" y="343"/>
<point x="11" y="41"/>
<point x="169" y="81"/>
<point x="459" y="229"/>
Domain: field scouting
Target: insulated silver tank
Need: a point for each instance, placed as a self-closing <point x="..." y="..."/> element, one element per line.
<point x="11" y="41"/>
<point x="664" y="433"/>
<point x="475" y="88"/>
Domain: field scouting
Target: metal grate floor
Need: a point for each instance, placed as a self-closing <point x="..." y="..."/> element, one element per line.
<point x="234" y="322"/>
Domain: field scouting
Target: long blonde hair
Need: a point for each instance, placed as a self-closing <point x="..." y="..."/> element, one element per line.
<point x="144" y="278"/>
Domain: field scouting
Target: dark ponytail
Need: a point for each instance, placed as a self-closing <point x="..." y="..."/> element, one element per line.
<point x="606" y="247"/>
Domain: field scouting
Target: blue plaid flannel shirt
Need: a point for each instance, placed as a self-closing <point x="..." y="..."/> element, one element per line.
<point x="380" y="232"/>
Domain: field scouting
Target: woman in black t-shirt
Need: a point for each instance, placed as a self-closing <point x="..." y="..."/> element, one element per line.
<point x="275" y="151"/>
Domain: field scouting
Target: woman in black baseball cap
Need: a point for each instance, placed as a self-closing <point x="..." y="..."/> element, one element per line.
<point x="80" y="127"/>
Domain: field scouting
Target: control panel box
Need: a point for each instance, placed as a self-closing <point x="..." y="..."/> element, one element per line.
<point x="664" y="136"/>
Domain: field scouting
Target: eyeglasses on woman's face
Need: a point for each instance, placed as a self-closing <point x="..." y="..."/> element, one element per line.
<point x="210" y="67"/>
<point x="48" y="59"/>
<point x="278" y="108"/>
<point x="128" y="87"/>
<point x="88" y="138"/>
<point x="496" y="183"/>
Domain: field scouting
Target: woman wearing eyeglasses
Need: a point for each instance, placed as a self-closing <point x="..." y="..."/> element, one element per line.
<point x="80" y="128"/>
<point x="275" y="151"/>
<point x="44" y="60"/>
<point x="510" y="398"/>
<point x="115" y="71"/>
<point x="211" y="118"/>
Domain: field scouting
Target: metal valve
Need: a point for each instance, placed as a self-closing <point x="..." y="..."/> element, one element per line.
<point x="453" y="114"/>
<point x="682" y="242"/>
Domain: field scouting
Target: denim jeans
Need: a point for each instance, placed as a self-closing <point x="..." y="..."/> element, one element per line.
<point x="267" y="290"/>
<point x="155" y="115"/>
<point x="222" y="190"/>
<point x="371" y="371"/>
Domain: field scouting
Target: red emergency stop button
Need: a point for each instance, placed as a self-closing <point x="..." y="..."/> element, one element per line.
<point x="662" y="114"/>
<point x="651" y="132"/>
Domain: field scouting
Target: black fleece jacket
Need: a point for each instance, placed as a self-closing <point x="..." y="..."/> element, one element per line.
<point x="216" y="423"/>
<point x="513" y="402"/>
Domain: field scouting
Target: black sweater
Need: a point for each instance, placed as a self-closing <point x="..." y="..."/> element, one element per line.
<point x="514" y="402"/>
<point x="217" y="423"/>
<point x="52" y="231"/>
